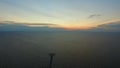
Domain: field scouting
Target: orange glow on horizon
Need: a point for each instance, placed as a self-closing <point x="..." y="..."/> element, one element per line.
<point x="77" y="28"/>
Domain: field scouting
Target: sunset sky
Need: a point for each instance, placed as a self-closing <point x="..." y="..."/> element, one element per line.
<point x="72" y="14"/>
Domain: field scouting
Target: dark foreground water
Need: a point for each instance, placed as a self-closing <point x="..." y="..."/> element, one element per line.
<point x="31" y="49"/>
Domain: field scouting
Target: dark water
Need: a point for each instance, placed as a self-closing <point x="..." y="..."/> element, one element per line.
<point x="71" y="48"/>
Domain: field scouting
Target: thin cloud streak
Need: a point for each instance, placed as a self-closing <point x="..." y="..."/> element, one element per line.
<point x="38" y="24"/>
<point x="94" y="16"/>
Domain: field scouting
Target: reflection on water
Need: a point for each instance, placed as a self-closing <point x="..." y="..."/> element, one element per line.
<point x="71" y="48"/>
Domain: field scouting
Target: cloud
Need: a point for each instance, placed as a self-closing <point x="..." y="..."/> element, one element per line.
<point x="41" y="24"/>
<point x="26" y="24"/>
<point x="94" y="16"/>
<point x="17" y="26"/>
<point x="10" y="23"/>
<point x="111" y="26"/>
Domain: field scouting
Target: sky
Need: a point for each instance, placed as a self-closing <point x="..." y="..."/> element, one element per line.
<point x="69" y="14"/>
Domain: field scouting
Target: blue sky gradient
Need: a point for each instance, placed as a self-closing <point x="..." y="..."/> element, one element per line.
<point x="66" y="13"/>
